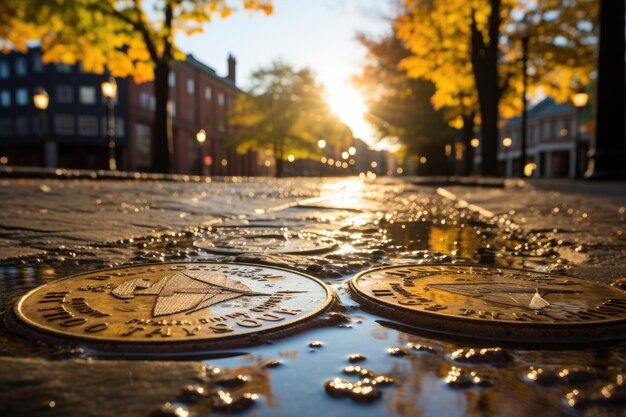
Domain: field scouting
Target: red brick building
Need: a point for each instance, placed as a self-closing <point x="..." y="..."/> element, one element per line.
<point x="199" y="99"/>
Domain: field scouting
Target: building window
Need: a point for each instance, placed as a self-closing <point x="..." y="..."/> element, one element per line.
<point x="20" y="66"/>
<point x="64" y="124"/>
<point x="65" y="94"/>
<point x="208" y="93"/>
<point x="6" y="127"/>
<point x="21" y="96"/>
<point x="5" y="72"/>
<point x="61" y="67"/>
<point x="88" y="125"/>
<point x="172" y="108"/>
<point x="87" y="95"/>
<point x="220" y="126"/>
<point x="191" y="86"/>
<point x="144" y="100"/>
<point x="143" y="145"/>
<point x="5" y="98"/>
<point x="119" y="127"/>
<point x="171" y="79"/>
<point x="220" y="99"/>
<point x="37" y="63"/>
<point x="21" y="126"/>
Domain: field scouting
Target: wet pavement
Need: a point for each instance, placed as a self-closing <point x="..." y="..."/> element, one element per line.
<point x="350" y="360"/>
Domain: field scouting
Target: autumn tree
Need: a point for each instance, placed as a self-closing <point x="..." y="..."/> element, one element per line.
<point x="284" y="110"/>
<point x="446" y="37"/>
<point x="399" y="106"/>
<point x="125" y="37"/>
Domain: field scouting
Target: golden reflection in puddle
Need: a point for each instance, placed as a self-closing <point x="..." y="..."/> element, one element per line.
<point x="461" y="241"/>
<point x="345" y="193"/>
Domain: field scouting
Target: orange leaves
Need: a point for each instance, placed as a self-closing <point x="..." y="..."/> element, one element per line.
<point x="124" y="36"/>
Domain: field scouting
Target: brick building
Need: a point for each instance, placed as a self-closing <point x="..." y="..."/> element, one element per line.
<point x="551" y="141"/>
<point x="71" y="132"/>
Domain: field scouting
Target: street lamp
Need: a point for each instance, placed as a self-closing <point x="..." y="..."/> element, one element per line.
<point x="109" y="90"/>
<point x="41" y="100"/>
<point x="322" y="145"/>
<point x="201" y="137"/>
<point x="580" y="101"/>
<point x="523" y="29"/>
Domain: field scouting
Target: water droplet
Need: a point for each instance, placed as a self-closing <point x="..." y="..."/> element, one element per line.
<point x="356" y="358"/>
<point x="168" y="410"/>
<point x="541" y="376"/>
<point x="491" y="356"/>
<point x="227" y="401"/>
<point x="420" y="348"/>
<point x="398" y="351"/>
<point x="232" y="380"/>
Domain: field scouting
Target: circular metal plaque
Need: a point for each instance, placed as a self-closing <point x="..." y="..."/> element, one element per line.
<point x="494" y="303"/>
<point x="174" y="306"/>
<point x="249" y="240"/>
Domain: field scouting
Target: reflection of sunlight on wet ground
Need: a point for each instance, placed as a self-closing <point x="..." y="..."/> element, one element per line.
<point x="347" y="193"/>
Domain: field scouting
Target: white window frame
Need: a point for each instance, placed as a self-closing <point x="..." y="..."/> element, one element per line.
<point x="191" y="86"/>
<point x="87" y="94"/>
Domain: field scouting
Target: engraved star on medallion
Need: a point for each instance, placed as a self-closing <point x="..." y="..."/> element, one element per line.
<point x="507" y="293"/>
<point x="187" y="291"/>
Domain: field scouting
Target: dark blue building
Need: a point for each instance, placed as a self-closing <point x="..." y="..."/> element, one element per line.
<point x="72" y="131"/>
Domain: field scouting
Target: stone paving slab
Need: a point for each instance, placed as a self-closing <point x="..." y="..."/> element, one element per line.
<point x="590" y="217"/>
<point x="40" y="214"/>
<point x="91" y="388"/>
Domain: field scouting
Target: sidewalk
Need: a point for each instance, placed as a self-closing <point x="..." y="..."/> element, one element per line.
<point x="588" y="218"/>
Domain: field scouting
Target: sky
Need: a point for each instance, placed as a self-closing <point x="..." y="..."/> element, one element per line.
<point x="315" y="33"/>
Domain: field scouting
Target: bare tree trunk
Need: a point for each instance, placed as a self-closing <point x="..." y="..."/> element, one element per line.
<point x="485" y="68"/>
<point x="162" y="135"/>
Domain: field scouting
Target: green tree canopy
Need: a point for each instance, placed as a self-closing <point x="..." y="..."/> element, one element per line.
<point x="284" y="111"/>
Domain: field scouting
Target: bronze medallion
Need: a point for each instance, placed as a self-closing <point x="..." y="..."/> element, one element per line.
<point x="174" y="306"/>
<point x="265" y="240"/>
<point x="494" y="303"/>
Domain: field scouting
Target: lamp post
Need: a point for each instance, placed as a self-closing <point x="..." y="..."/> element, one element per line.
<point x="322" y="145"/>
<point x="580" y="101"/>
<point x="523" y="29"/>
<point x="41" y="100"/>
<point x="201" y="137"/>
<point x="109" y="90"/>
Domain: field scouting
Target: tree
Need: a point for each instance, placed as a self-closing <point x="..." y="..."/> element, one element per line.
<point x="398" y="105"/>
<point x="448" y="37"/>
<point x="124" y="37"/>
<point x="284" y="110"/>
